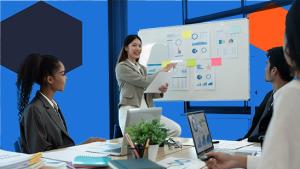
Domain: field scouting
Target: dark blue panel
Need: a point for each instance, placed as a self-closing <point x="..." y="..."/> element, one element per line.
<point x="43" y="29"/>
<point x="85" y="99"/>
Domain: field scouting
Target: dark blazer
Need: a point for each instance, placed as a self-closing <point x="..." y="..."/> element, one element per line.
<point x="41" y="128"/>
<point x="132" y="85"/>
<point x="263" y="126"/>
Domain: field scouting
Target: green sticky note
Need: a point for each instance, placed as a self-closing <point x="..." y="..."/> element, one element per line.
<point x="164" y="63"/>
<point x="191" y="62"/>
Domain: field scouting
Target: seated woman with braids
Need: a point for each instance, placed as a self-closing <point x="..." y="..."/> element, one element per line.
<point x="42" y="124"/>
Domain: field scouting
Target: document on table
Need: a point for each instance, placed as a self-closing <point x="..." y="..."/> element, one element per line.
<point x="231" y="145"/>
<point x="8" y="158"/>
<point x="69" y="153"/>
<point x="181" y="163"/>
<point x="19" y="160"/>
<point x="160" y="79"/>
<point x="185" y="141"/>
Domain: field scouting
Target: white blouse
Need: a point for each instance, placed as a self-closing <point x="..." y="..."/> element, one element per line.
<point x="281" y="148"/>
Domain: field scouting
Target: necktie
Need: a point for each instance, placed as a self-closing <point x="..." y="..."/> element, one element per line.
<point x="269" y="105"/>
<point x="58" y="114"/>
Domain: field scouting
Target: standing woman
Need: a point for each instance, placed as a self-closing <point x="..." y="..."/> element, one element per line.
<point x="133" y="80"/>
<point x="42" y="124"/>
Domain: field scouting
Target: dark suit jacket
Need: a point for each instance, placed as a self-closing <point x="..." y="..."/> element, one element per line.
<point x="41" y="128"/>
<point x="263" y="126"/>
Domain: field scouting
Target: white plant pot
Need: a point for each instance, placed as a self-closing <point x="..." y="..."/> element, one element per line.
<point x="152" y="152"/>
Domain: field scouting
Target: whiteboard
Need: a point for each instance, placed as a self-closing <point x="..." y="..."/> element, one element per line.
<point x="212" y="59"/>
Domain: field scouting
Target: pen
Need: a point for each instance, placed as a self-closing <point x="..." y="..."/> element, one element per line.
<point x="135" y="152"/>
<point x="146" y="148"/>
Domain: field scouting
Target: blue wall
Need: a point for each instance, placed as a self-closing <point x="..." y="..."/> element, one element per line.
<point x="85" y="101"/>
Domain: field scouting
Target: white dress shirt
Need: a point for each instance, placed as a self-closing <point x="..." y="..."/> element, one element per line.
<point x="281" y="148"/>
<point x="51" y="102"/>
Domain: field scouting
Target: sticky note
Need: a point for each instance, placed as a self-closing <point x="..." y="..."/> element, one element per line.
<point x="216" y="61"/>
<point x="191" y="62"/>
<point x="164" y="63"/>
<point x="187" y="34"/>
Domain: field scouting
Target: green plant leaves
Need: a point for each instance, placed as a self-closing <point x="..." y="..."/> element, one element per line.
<point x="153" y="130"/>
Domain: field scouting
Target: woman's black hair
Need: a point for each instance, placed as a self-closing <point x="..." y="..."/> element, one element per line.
<point x="34" y="69"/>
<point x="123" y="54"/>
<point x="293" y="34"/>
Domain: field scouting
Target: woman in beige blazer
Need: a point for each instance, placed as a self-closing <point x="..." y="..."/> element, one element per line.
<point x="133" y="80"/>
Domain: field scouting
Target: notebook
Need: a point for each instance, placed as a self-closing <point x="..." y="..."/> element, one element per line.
<point x="134" y="164"/>
<point x="88" y="161"/>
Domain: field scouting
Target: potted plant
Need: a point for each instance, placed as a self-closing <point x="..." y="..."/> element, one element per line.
<point x="153" y="130"/>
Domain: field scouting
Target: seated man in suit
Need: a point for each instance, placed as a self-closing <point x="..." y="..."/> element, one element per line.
<point x="278" y="73"/>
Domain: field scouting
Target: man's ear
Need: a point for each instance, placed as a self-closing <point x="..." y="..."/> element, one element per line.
<point x="274" y="70"/>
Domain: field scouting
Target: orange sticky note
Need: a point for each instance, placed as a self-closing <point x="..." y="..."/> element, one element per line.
<point x="216" y="61"/>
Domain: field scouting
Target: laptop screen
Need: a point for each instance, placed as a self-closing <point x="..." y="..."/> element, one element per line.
<point x="200" y="132"/>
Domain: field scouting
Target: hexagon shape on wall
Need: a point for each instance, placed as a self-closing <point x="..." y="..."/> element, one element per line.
<point x="43" y="29"/>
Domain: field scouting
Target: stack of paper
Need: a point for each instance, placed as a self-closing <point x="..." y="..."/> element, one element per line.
<point x="54" y="164"/>
<point x="15" y="160"/>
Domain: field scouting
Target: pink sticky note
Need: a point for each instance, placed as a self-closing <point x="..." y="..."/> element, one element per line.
<point x="216" y="61"/>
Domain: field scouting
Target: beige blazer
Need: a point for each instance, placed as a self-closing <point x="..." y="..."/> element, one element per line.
<point x="132" y="85"/>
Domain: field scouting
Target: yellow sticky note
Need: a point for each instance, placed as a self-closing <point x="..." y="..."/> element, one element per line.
<point x="191" y="62"/>
<point x="164" y="63"/>
<point x="187" y="34"/>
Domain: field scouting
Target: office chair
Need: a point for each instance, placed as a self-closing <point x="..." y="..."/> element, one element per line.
<point x="117" y="131"/>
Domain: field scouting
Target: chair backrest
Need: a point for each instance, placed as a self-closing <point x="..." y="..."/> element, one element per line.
<point x="117" y="131"/>
<point x="17" y="145"/>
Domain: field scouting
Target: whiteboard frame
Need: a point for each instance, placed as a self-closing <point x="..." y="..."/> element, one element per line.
<point x="232" y="78"/>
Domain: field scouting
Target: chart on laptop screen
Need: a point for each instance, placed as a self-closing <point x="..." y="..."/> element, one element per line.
<point x="201" y="134"/>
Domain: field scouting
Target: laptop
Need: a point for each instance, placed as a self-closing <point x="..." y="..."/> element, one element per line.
<point x="135" y="116"/>
<point x="202" y="137"/>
